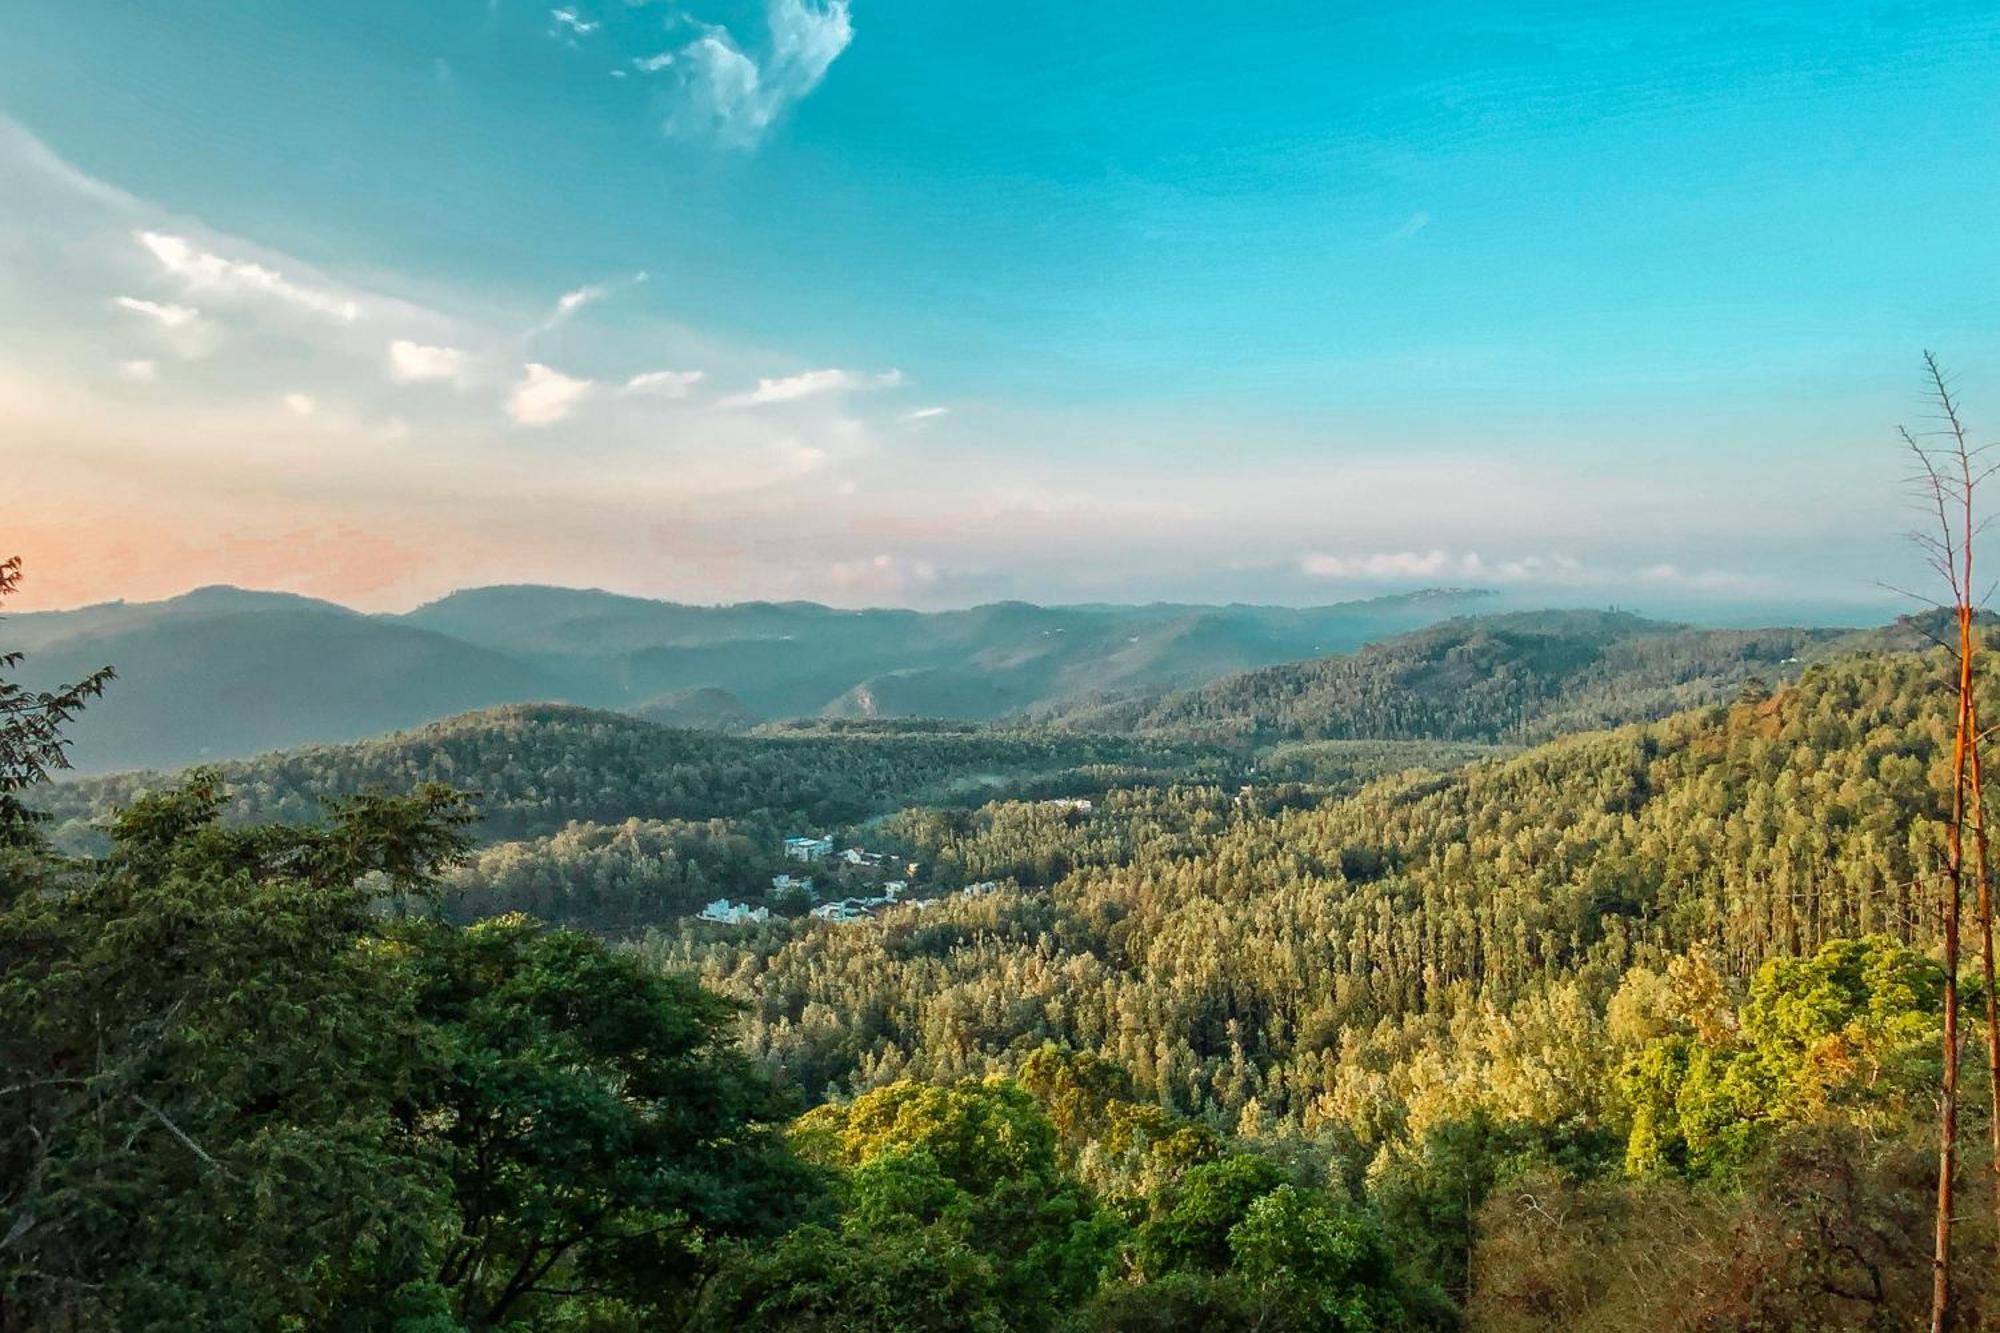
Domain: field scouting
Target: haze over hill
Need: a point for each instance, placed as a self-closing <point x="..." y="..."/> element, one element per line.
<point x="223" y="672"/>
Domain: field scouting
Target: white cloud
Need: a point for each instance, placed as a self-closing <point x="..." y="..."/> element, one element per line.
<point x="166" y="316"/>
<point x="572" y="21"/>
<point x="927" y="413"/>
<point x="299" y="404"/>
<point x="1469" y="567"/>
<point x="544" y="396"/>
<point x="730" y="96"/>
<point x="652" y="64"/>
<point x="883" y="574"/>
<point x="665" y="383"/>
<point x="1379" y="565"/>
<point x="1562" y="571"/>
<point x="141" y="370"/>
<point x="1702" y="580"/>
<point x="810" y="384"/>
<point x="410" y="362"/>
<point x="201" y="271"/>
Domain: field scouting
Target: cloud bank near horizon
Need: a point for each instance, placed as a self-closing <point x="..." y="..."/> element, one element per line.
<point x="198" y="408"/>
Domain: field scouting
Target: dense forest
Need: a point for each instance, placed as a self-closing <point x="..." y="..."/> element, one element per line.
<point x="1520" y="677"/>
<point x="535" y="768"/>
<point x="1346" y="1033"/>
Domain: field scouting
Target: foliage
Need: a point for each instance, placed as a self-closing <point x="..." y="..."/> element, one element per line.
<point x="1194" y="1229"/>
<point x="598" y="1127"/>
<point x="243" y="1097"/>
<point x="1519" y="677"/>
<point x="1850" y="1032"/>
<point x="979" y="1159"/>
<point x="616" y="878"/>
<point x="32" y="744"/>
<point x="538" y="767"/>
<point x="1830" y="1231"/>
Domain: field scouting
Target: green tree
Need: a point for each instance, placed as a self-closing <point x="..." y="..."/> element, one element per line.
<point x="600" y="1130"/>
<point x="977" y="1158"/>
<point x="31" y="724"/>
<point x="1848" y="1034"/>
<point x="1191" y="1231"/>
<point x="241" y="1096"/>
<point x="1311" y="1264"/>
<point x="205" y="1039"/>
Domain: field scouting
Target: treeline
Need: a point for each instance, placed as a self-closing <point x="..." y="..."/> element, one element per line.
<point x="616" y="878"/>
<point x="1512" y="678"/>
<point x="537" y="768"/>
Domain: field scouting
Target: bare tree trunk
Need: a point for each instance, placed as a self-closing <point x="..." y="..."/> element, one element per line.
<point x="1954" y="881"/>
<point x="1982" y="868"/>
<point x="1949" y="480"/>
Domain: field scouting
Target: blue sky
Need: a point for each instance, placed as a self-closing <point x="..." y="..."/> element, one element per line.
<point x="1592" y="303"/>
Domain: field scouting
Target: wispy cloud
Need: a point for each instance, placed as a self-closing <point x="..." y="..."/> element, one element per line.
<point x="569" y="21"/>
<point x="199" y="270"/>
<point x="1413" y="224"/>
<point x="732" y="97"/>
<point x="179" y="327"/>
<point x="665" y="383"/>
<point x="545" y="396"/>
<point x="574" y="300"/>
<point x="413" y="362"/>
<point x="1561" y="571"/>
<point x="300" y="404"/>
<point x="811" y="384"/>
<point x="1470" y="566"/>
<point x="166" y="316"/>
<point x="141" y="370"/>
<point x="926" y="414"/>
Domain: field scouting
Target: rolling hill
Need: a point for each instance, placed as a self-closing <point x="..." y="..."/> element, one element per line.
<point x="1517" y="677"/>
<point x="223" y="672"/>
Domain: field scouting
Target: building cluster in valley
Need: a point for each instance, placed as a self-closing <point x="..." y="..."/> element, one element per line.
<point x="863" y="878"/>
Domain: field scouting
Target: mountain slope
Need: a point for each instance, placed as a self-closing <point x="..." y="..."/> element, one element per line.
<point x="221" y="673"/>
<point x="799" y="659"/>
<point x="1515" y="677"/>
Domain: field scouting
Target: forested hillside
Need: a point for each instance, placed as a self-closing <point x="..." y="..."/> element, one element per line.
<point x="1497" y="952"/>
<point x="537" y="767"/>
<point x="1226" y="950"/>
<point x="1518" y="677"/>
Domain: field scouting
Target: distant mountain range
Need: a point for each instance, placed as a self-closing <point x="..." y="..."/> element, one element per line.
<point x="223" y="672"/>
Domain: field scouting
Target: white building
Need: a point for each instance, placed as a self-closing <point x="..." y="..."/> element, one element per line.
<point x="808" y="849"/>
<point x="850" y="910"/>
<point x="785" y="883"/>
<point x="726" y="913"/>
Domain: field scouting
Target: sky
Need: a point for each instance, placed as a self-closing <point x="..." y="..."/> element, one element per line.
<point x="888" y="302"/>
